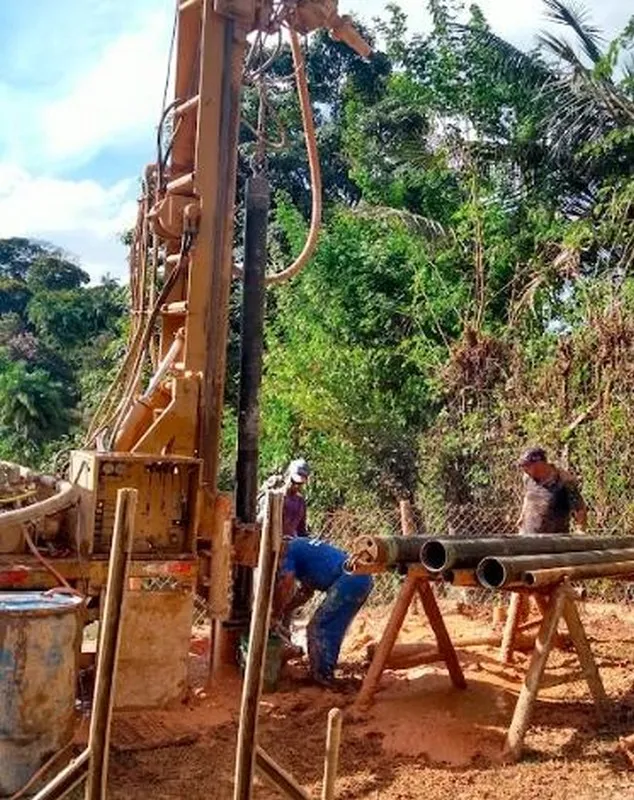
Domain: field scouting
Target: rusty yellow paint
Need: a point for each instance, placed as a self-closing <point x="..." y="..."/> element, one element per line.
<point x="166" y="512"/>
<point x="174" y="428"/>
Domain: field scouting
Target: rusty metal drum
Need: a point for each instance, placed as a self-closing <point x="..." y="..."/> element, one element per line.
<point x="40" y="642"/>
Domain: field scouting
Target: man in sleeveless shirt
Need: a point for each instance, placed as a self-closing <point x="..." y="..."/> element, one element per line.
<point x="551" y="496"/>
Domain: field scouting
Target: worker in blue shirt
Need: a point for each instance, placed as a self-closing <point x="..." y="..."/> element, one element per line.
<point x="318" y="566"/>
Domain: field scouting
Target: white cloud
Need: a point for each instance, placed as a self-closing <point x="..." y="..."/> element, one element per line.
<point x="520" y="21"/>
<point x="116" y="100"/>
<point x="83" y="217"/>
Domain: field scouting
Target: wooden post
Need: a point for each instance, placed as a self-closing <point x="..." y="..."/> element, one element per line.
<point x="258" y="636"/>
<point x="109" y="642"/>
<point x="445" y="646"/>
<point x="331" y="761"/>
<point x="523" y="709"/>
<point x="586" y="659"/>
<point x="397" y="617"/>
<point x="408" y="528"/>
<point x="408" y="525"/>
<point x="513" y="620"/>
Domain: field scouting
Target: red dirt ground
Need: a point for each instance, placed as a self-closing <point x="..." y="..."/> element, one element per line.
<point x="422" y="738"/>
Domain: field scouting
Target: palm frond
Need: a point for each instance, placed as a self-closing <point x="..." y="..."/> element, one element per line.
<point x="510" y="63"/>
<point x="560" y="48"/>
<point x="577" y="18"/>
<point x="416" y="223"/>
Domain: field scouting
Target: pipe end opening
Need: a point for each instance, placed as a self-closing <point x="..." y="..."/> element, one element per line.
<point x="491" y="573"/>
<point x="434" y="556"/>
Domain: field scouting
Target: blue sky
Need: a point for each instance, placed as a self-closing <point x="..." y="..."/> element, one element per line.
<point x="81" y="83"/>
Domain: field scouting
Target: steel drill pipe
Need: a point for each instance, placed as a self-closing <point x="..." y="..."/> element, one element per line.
<point x="496" y="573"/>
<point x="439" y="555"/>
<point x="388" y="550"/>
<point x="548" y="577"/>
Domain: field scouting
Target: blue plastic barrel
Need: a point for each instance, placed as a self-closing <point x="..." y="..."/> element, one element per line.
<point x="40" y="642"/>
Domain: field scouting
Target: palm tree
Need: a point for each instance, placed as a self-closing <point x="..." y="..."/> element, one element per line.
<point x="31" y="406"/>
<point x="587" y="112"/>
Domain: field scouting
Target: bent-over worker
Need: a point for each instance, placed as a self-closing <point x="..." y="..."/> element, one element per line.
<point x="318" y="566"/>
<point x="551" y="496"/>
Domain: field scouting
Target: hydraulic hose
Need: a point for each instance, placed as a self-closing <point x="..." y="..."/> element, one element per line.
<point x="308" y="124"/>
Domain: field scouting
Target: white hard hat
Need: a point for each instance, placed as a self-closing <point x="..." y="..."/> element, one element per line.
<point x="298" y="471"/>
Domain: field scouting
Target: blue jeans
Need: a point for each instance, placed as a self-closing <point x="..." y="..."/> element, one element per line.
<point x="330" y="622"/>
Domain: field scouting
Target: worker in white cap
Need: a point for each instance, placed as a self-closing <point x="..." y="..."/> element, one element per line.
<point x="294" y="518"/>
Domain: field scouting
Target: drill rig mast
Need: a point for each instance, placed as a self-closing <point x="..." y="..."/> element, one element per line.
<point x="165" y="440"/>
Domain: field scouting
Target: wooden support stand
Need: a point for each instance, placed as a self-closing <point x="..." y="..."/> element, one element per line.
<point x="560" y="603"/>
<point x="416" y="584"/>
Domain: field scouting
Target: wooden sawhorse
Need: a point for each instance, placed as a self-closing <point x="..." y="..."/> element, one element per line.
<point x="555" y="603"/>
<point x="416" y="584"/>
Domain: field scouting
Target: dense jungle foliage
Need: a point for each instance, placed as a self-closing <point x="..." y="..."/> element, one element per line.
<point x="472" y="291"/>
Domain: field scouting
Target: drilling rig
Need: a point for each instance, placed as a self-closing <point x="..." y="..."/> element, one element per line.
<point x="158" y="428"/>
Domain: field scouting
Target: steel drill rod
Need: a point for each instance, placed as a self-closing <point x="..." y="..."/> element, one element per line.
<point x="388" y="550"/>
<point x="257" y="200"/>
<point x="66" y="780"/>
<point x="496" y="573"/>
<point x="438" y="555"/>
<point x="547" y="577"/>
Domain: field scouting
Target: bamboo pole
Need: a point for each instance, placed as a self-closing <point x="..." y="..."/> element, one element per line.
<point x="517" y="608"/>
<point x="408" y="524"/>
<point x="260" y="622"/>
<point x="331" y="760"/>
<point x="109" y="643"/>
<point x="66" y="780"/>
<point x="526" y="701"/>
<point x="408" y="528"/>
<point x="394" y="624"/>
<point x="281" y="779"/>
<point x="545" y="577"/>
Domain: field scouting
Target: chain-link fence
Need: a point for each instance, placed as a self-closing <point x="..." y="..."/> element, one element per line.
<point x="344" y="526"/>
<point x="166" y="583"/>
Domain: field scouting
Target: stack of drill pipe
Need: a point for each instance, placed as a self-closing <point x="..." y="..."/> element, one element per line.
<point x="441" y="555"/>
<point x="382" y="552"/>
<point x="498" y="572"/>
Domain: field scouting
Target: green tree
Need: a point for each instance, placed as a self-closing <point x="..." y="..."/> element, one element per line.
<point x="32" y="409"/>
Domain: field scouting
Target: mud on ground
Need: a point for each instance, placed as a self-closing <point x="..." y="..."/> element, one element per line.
<point x="421" y="739"/>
